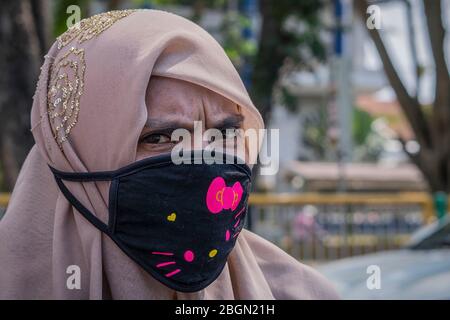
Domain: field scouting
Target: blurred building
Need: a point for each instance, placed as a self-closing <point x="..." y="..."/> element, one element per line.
<point x="359" y="177"/>
<point x="371" y="93"/>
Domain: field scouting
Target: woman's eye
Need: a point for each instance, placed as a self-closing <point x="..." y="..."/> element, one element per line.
<point x="156" y="138"/>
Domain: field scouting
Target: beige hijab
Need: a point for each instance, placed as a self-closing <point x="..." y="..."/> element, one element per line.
<point x="88" y="112"/>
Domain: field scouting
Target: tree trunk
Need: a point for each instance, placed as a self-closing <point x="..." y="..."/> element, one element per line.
<point x="23" y="42"/>
<point x="441" y="107"/>
<point x="268" y="61"/>
<point x="432" y="132"/>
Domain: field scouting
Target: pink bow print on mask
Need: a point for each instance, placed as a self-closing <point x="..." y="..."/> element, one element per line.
<point x="220" y="197"/>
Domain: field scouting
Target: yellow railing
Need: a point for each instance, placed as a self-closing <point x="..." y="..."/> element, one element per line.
<point x="342" y="224"/>
<point x="424" y="200"/>
<point x="4" y="199"/>
<point x="261" y="199"/>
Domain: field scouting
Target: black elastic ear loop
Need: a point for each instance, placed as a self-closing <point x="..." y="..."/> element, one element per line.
<point x="78" y="205"/>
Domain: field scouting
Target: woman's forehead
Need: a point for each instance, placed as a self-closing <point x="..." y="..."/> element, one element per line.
<point x="172" y="98"/>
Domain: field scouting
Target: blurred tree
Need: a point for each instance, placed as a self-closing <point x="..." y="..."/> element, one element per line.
<point x="431" y="127"/>
<point x="23" y="39"/>
<point x="314" y="135"/>
<point x="368" y="144"/>
<point x="361" y="126"/>
<point x="289" y="38"/>
<point x="317" y="143"/>
<point x="239" y="49"/>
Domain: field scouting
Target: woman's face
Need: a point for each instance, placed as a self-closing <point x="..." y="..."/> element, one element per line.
<point x="174" y="104"/>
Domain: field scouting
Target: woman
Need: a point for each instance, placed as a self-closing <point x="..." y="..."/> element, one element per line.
<point x="110" y="93"/>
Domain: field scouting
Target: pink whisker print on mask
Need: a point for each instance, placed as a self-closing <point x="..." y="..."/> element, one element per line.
<point x="227" y="235"/>
<point x="165" y="264"/>
<point x="237" y="223"/>
<point x="239" y="213"/>
<point x="163" y="253"/>
<point x="168" y="275"/>
<point x="220" y="197"/>
<point x="236" y="234"/>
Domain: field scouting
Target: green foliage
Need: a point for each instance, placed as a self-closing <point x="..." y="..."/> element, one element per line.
<point x="361" y="126"/>
<point x="368" y="144"/>
<point x="289" y="100"/>
<point x="315" y="133"/>
<point x="235" y="45"/>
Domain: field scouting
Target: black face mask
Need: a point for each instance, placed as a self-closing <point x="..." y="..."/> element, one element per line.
<point x="178" y="222"/>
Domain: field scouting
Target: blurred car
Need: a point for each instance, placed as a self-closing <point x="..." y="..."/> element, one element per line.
<point x="419" y="271"/>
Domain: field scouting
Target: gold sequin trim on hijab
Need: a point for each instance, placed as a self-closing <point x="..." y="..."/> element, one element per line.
<point x="66" y="81"/>
<point x="64" y="92"/>
<point x="91" y="27"/>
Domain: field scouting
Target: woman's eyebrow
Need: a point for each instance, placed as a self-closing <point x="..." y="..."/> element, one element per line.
<point x="232" y="121"/>
<point x="168" y="125"/>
